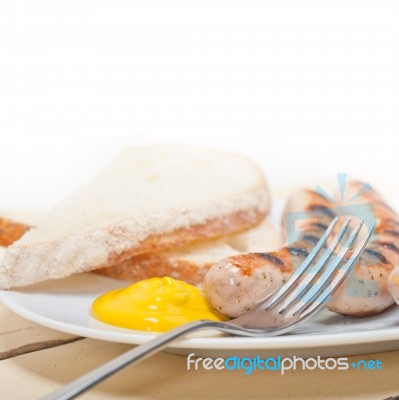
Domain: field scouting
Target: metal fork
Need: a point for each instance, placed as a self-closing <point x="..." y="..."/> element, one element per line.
<point x="299" y="299"/>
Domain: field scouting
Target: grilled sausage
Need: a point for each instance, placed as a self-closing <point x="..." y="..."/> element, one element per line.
<point x="234" y="285"/>
<point x="393" y="284"/>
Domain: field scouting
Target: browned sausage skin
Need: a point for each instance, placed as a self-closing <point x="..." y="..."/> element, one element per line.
<point x="235" y="285"/>
<point x="393" y="284"/>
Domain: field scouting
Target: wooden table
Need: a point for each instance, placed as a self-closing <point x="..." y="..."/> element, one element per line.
<point x="36" y="360"/>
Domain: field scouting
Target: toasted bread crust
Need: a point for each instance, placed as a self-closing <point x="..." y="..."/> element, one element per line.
<point x="10" y="231"/>
<point x="179" y="237"/>
<point x="156" y="265"/>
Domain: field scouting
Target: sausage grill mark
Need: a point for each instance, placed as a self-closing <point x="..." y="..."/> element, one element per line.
<point x="275" y="260"/>
<point x="390" y="246"/>
<point x="297" y="251"/>
<point x="311" y="239"/>
<point x="376" y="254"/>
<point x="319" y="225"/>
<point x="322" y="210"/>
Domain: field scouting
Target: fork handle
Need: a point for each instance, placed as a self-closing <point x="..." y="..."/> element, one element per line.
<point x="133" y="356"/>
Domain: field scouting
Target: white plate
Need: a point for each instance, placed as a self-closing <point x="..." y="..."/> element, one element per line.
<point x="65" y="305"/>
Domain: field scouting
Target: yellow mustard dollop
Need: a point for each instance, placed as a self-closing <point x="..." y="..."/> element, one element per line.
<point x="155" y="304"/>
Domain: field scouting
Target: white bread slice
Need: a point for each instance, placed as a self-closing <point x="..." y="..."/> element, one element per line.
<point x="2" y="252"/>
<point x="148" y="199"/>
<point x="188" y="263"/>
<point x="191" y="262"/>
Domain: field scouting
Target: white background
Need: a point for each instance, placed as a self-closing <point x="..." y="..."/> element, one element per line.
<point x="305" y="87"/>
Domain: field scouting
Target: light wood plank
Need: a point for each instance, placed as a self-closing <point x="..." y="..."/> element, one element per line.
<point x="19" y="336"/>
<point x="164" y="376"/>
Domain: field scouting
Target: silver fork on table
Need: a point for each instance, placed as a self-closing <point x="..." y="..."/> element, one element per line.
<point x="299" y="299"/>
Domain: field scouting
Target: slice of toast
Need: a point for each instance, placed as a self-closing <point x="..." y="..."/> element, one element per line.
<point x="148" y="199"/>
<point x="191" y="262"/>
